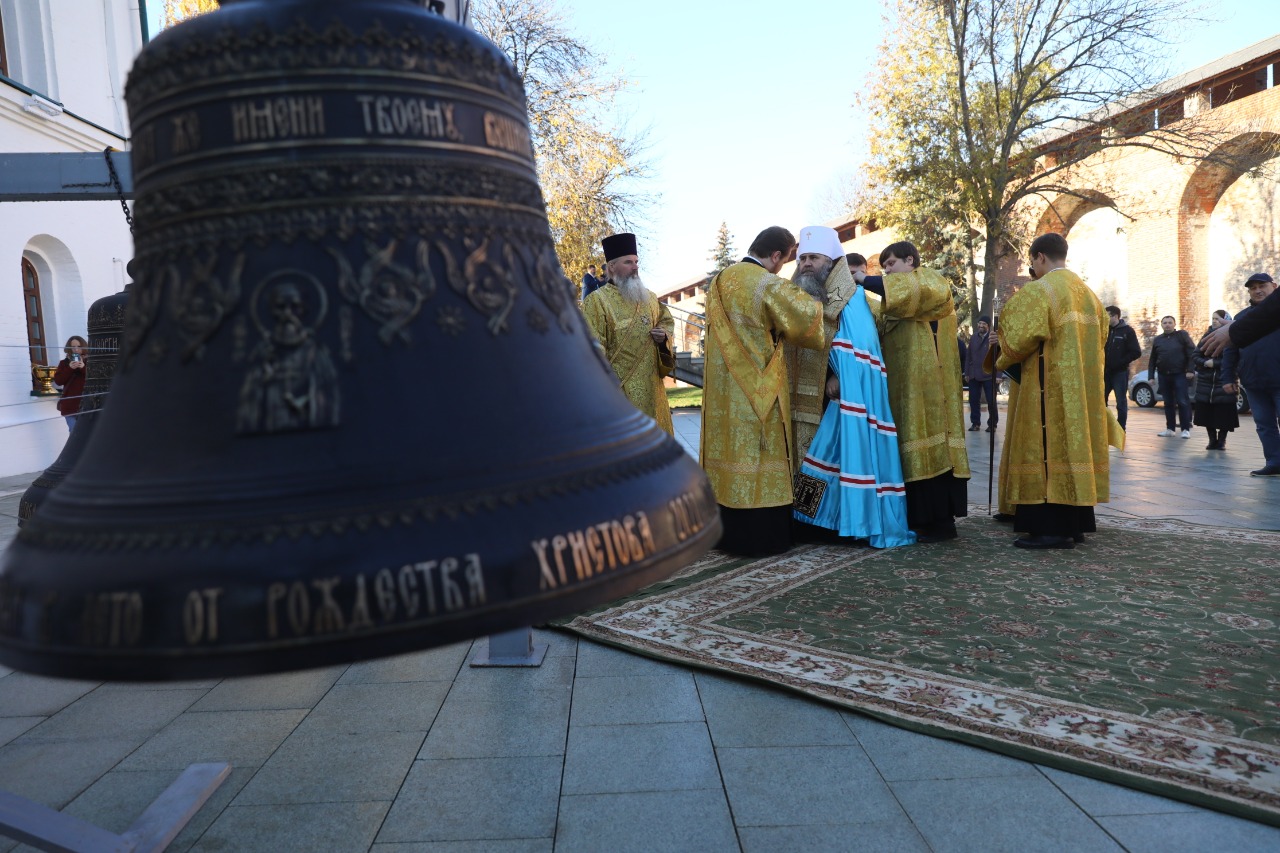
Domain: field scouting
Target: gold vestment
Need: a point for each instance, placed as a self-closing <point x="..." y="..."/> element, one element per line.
<point x="1055" y="330"/>
<point x="746" y="411"/>
<point x="622" y="327"/>
<point x="924" y="374"/>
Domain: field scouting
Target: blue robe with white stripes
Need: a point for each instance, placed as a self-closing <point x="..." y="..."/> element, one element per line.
<point x="853" y="459"/>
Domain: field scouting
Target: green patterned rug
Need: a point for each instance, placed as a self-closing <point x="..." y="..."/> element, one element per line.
<point x="1148" y="657"/>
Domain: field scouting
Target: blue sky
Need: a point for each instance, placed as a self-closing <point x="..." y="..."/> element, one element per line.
<point x="748" y="107"/>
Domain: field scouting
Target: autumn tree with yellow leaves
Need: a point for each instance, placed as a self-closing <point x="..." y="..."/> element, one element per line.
<point x="977" y="106"/>
<point x="584" y="160"/>
<point x="177" y="11"/>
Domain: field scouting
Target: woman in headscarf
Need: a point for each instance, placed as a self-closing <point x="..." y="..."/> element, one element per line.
<point x="1215" y="409"/>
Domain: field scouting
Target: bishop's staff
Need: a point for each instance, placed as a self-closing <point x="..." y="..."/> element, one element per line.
<point x="993" y="355"/>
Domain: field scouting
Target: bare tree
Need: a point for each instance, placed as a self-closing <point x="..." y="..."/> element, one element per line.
<point x="584" y="159"/>
<point x="993" y="102"/>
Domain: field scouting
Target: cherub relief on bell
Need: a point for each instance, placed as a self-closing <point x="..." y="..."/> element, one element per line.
<point x="356" y="411"/>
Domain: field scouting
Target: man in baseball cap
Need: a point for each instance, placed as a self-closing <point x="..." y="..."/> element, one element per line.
<point x="1258" y="367"/>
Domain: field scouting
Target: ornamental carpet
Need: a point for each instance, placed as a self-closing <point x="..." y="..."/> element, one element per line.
<point x="1146" y="657"/>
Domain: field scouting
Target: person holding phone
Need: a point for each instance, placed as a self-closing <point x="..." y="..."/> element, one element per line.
<point x="70" y="377"/>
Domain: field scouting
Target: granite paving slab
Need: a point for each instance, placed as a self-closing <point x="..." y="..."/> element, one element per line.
<point x="897" y="836"/>
<point x="636" y="699"/>
<point x="740" y="713"/>
<point x="1195" y="832"/>
<point x="440" y="664"/>
<point x="302" y="828"/>
<point x="1000" y="815"/>
<point x="900" y="755"/>
<point x="403" y="706"/>
<point x="319" y="765"/>
<point x="240" y="738"/>
<point x="648" y="822"/>
<point x="808" y="785"/>
<point x="134" y="715"/>
<point x="270" y="692"/>
<point x="533" y="724"/>
<point x="476" y="799"/>
<point x="653" y="757"/>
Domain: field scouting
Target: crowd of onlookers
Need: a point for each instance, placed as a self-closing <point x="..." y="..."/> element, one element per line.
<point x="1200" y="382"/>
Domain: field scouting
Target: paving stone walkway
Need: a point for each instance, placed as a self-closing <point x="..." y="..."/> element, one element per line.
<point x="598" y="749"/>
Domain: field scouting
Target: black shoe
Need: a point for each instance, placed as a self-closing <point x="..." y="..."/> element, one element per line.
<point x="1213" y="445"/>
<point x="991" y="428"/>
<point x="1266" y="471"/>
<point x="974" y="428"/>
<point x="1078" y="538"/>
<point x="935" y="533"/>
<point x="1045" y="542"/>
<point x="1004" y="517"/>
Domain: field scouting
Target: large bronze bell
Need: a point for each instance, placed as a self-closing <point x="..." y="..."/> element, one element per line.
<point x="356" y="412"/>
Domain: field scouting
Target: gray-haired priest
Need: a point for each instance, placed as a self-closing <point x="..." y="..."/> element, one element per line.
<point x="634" y="328"/>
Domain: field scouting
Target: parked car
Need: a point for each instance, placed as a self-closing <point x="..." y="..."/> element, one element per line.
<point x="1145" y="391"/>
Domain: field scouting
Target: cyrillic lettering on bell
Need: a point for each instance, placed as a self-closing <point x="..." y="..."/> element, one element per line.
<point x="411" y="592"/>
<point x="186" y="133"/>
<point x="144" y="147"/>
<point x="687" y="516"/>
<point x="579" y="555"/>
<point x="200" y="616"/>
<point x="111" y="619"/>
<point x="285" y="117"/>
<point x="387" y="115"/>
<point x="507" y="134"/>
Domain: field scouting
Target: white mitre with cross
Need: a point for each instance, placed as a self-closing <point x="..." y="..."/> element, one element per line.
<point x="820" y="240"/>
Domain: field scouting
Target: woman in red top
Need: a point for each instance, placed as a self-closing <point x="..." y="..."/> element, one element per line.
<point x="70" y="375"/>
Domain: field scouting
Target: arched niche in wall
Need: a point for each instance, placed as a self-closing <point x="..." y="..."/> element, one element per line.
<point x="1228" y="225"/>
<point x="1099" y="243"/>
<point x="61" y="288"/>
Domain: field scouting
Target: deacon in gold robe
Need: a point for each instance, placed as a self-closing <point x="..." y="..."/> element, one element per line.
<point x="1054" y="467"/>
<point x="746" y="404"/>
<point x="919" y="340"/>
<point x="822" y="272"/>
<point x="634" y="328"/>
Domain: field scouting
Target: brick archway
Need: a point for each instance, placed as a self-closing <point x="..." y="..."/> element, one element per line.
<point x="1206" y="186"/>
<point x="1065" y="211"/>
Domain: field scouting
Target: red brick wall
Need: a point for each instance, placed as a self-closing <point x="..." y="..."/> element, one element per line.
<point x="1170" y="204"/>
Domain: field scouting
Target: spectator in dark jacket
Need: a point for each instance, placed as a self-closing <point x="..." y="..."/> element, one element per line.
<point x="1122" y="350"/>
<point x="1171" y="358"/>
<point x="1258" y="368"/>
<point x="1264" y="318"/>
<point x="1214" y="408"/>
<point x="590" y="281"/>
<point x="978" y="380"/>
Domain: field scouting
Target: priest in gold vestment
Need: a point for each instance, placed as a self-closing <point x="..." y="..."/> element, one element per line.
<point x="746" y="404"/>
<point x="808" y="369"/>
<point x="920" y="354"/>
<point x="1054" y="467"/>
<point x="635" y="330"/>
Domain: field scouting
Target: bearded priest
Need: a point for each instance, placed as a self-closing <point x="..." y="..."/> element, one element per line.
<point x="821" y="273"/>
<point x="849" y="473"/>
<point x="918" y="333"/>
<point x="634" y="328"/>
<point x="746" y="402"/>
